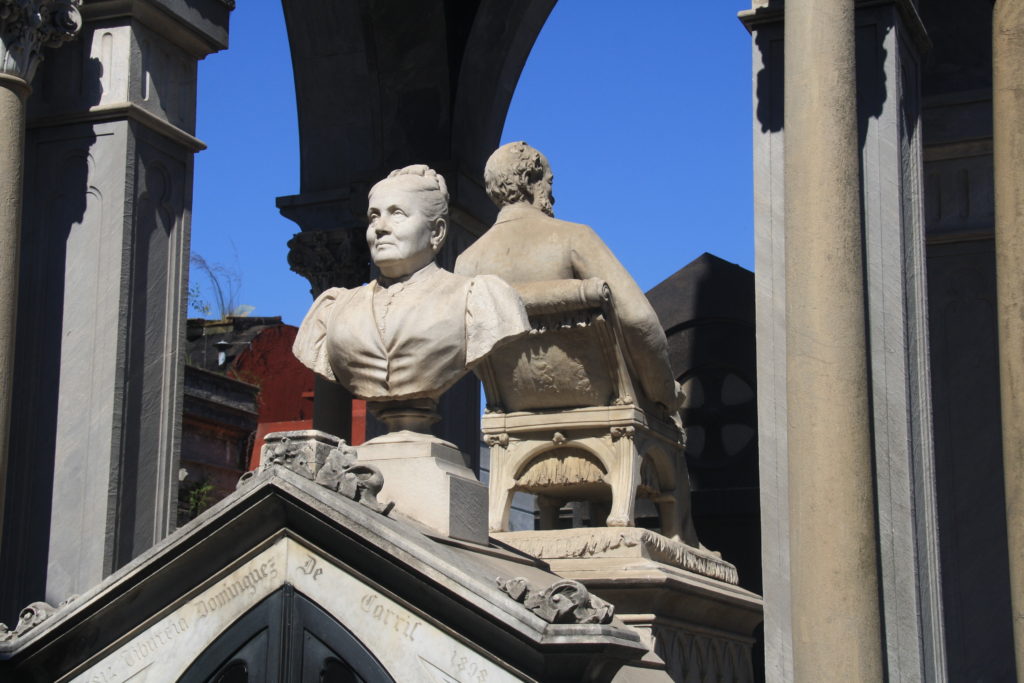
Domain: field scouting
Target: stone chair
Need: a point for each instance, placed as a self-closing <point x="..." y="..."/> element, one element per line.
<point x="565" y="419"/>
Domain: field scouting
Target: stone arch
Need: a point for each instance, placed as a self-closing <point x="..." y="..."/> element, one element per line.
<point x="381" y="84"/>
<point x="570" y="464"/>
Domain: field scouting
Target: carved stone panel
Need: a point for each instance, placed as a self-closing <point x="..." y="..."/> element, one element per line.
<point x="406" y="645"/>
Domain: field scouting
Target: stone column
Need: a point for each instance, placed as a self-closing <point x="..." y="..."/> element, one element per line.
<point x="833" y="553"/>
<point x="1008" y="115"/>
<point x="25" y="29"/>
<point x="109" y="145"/>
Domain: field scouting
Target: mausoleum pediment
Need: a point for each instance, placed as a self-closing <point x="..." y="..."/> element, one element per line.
<point x="419" y="607"/>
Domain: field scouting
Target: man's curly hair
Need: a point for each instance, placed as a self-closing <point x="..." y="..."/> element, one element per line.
<point x="512" y="171"/>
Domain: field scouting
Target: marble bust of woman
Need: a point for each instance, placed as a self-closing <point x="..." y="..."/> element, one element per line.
<point x="403" y="339"/>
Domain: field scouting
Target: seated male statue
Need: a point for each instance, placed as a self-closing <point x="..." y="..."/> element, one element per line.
<point x="402" y="340"/>
<point x="527" y="244"/>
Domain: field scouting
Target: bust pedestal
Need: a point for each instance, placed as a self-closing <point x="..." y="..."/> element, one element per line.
<point x="429" y="482"/>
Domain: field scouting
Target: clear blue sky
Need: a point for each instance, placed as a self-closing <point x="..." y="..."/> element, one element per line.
<point x="645" y="114"/>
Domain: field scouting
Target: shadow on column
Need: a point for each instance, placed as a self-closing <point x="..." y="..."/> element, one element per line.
<point x="56" y="196"/>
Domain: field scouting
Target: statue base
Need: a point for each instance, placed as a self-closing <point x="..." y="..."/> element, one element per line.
<point x="625" y="543"/>
<point x="696" y="623"/>
<point x="429" y="482"/>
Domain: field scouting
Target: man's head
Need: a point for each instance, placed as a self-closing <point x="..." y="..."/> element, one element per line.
<point x="518" y="174"/>
<point x="408" y="220"/>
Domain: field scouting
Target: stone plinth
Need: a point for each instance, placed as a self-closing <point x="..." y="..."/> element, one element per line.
<point x="699" y="628"/>
<point x="690" y="618"/>
<point x="629" y="544"/>
<point x="427" y="479"/>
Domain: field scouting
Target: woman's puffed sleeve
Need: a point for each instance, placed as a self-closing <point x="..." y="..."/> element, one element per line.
<point x="494" y="314"/>
<point x="310" y="345"/>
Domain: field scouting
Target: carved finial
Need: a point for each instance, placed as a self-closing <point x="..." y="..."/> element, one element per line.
<point x="325" y="459"/>
<point x="563" y="602"/>
<point x="27" y="26"/>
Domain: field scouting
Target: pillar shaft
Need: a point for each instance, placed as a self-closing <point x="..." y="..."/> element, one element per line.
<point x="26" y="27"/>
<point x="1008" y="111"/>
<point x="833" y="551"/>
<point x="106" y="210"/>
<point x="13" y="93"/>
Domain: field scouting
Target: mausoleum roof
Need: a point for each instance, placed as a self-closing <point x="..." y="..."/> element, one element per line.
<point x="451" y="586"/>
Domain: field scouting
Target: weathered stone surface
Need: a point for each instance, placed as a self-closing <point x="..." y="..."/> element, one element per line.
<point x="623" y="544"/>
<point x="888" y="37"/>
<point x="400" y="593"/>
<point x="832" y="518"/>
<point x="325" y="459"/>
<point x="31" y="617"/>
<point x="696" y="628"/>
<point x="563" y="602"/>
<point x="428" y="481"/>
<point x="303" y="452"/>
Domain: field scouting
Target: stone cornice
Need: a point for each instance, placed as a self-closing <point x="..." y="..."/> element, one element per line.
<point x="27" y="26"/>
<point x="199" y="28"/>
<point x="773" y="11"/>
<point x="133" y="112"/>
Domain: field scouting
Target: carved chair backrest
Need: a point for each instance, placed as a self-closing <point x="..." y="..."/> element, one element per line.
<point x="573" y="357"/>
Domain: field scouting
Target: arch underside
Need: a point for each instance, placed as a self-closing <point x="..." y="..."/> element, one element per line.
<point x="383" y="84"/>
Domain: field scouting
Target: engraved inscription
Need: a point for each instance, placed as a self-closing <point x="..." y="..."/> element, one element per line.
<point x="310" y="568"/>
<point x="464" y="666"/>
<point x="140" y="654"/>
<point x="158" y="653"/>
<point x="402" y="623"/>
<point x="231" y="590"/>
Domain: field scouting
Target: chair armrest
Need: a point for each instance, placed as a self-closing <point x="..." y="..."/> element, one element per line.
<point x="558" y="296"/>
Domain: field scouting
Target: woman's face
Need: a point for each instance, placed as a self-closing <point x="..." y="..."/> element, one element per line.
<point x="402" y="235"/>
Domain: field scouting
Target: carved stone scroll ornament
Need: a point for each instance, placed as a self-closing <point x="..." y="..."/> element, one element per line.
<point x="27" y="26"/>
<point x="325" y="459"/>
<point x="361" y="483"/>
<point x="563" y="602"/>
<point x="30" y="617"/>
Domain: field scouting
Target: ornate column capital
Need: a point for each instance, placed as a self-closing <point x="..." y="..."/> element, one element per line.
<point x="27" y="26"/>
<point x="330" y="258"/>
